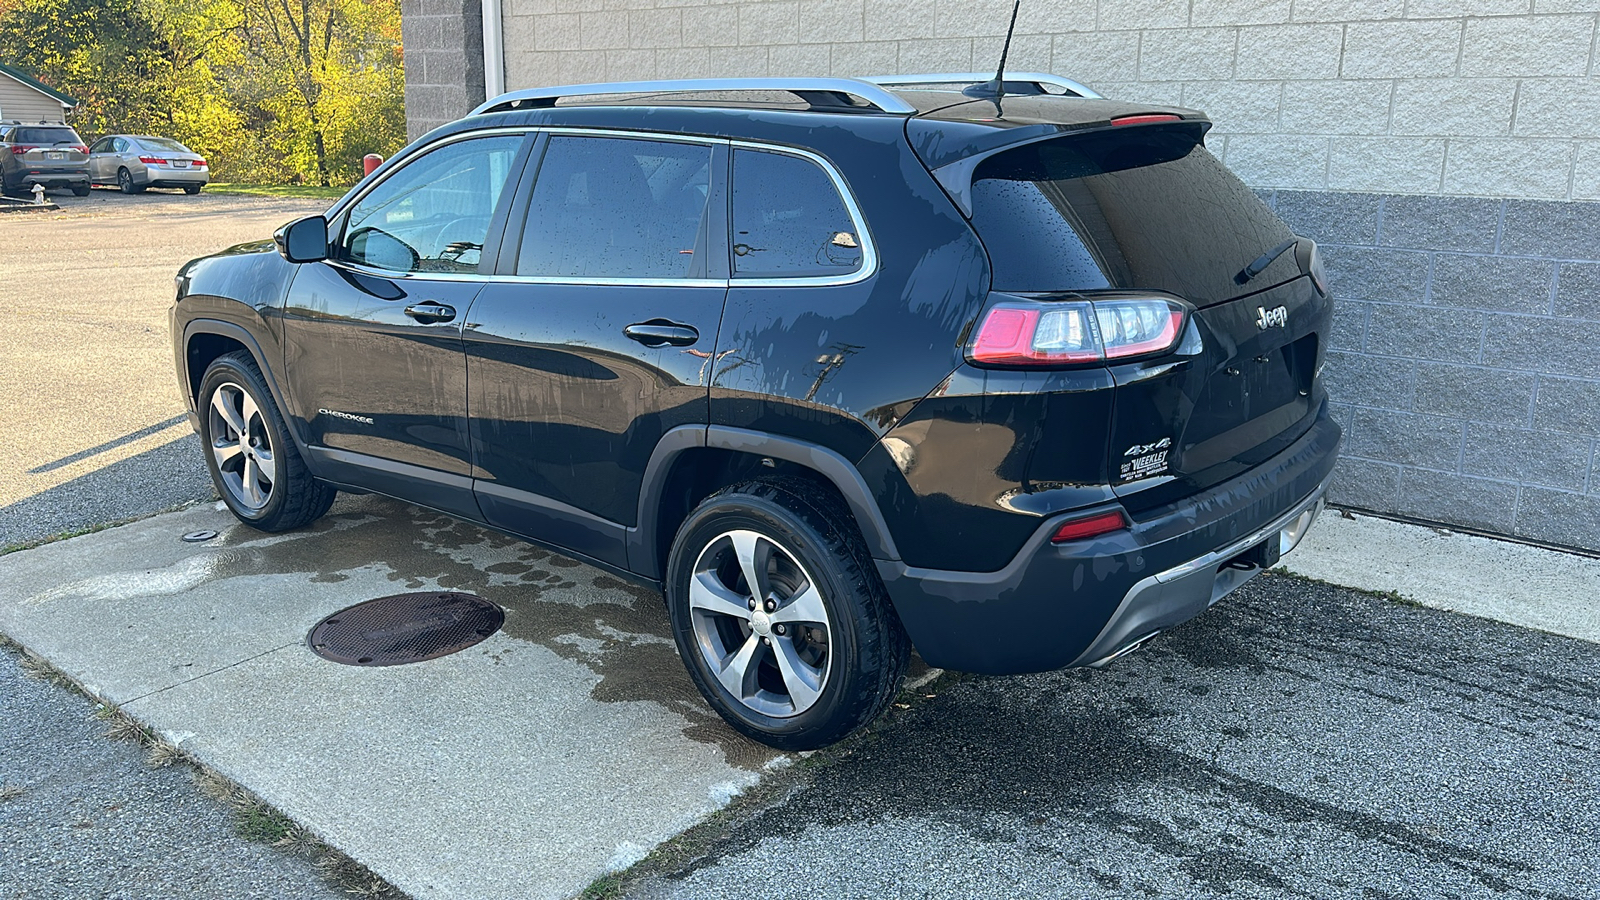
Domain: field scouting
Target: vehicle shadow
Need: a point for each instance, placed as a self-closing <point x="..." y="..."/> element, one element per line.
<point x="157" y="479"/>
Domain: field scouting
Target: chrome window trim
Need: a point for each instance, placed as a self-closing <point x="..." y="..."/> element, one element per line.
<point x="875" y="94"/>
<point x="869" y="247"/>
<point x="869" y="250"/>
<point x="1040" y="78"/>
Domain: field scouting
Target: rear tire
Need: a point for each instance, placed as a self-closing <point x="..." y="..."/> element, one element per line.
<point x="253" y="461"/>
<point x="822" y="653"/>
<point x="191" y="190"/>
<point x="80" y="190"/>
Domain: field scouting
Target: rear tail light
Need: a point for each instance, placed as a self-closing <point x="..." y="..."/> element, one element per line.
<point x="1062" y="332"/>
<point x="200" y="164"/>
<point x="152" y="160"/>
<point x="80" y="149"/>
<point x="19" y="149"/>
<point x="1089" y="526"/>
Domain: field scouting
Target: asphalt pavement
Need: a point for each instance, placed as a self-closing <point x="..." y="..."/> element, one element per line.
<point x="92" y="427"/>
<point x="1299" y="740"/>
<point x="88" y="819"/>
<point x="92" y="431"/>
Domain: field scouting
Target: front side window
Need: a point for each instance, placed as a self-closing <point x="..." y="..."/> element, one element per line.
<point x="433" y="214"/>
<point x="616" y="208"/>
<point x="788" y="219"/>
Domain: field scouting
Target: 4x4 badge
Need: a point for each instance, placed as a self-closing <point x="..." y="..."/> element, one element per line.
<point x="1275" y="317"/>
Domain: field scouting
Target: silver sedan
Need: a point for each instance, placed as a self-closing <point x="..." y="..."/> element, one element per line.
<point x="134" y="162"/>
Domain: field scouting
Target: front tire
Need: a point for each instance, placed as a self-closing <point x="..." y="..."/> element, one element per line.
<point x="253" y="462"/>
<point x="125" y="182"/>
<point x="780" y="616"/>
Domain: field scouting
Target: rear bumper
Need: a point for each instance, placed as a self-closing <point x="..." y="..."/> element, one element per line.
<point x="1082" y="603"/>
<point x="173" y="178"/>
<point x="50" y="177"/>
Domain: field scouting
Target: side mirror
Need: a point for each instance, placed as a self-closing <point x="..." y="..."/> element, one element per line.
<point x="303" y="240"/>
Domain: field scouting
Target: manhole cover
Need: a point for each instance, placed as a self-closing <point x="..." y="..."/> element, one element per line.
<point x="405" y="628"/>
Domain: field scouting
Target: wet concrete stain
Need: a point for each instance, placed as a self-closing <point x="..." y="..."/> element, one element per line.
<point x="618" y="630"/>
<point x="1077" y="759"/>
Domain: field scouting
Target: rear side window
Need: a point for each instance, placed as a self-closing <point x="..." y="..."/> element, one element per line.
<point x="433" y="214"/>
<point x="617" y="208"/>
<point x="788" y="219"/>
<point x="1140" y="207"/>
<point x="46" y="136"/>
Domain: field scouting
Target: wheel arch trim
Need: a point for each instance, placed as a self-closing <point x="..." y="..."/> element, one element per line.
<point x="241" y="334"/>
<point x="642" y="538"/>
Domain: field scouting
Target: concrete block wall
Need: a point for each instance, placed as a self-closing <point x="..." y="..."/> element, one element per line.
<point x="443" y="42"/>
<point x="1465" y="357"/>
<point x="1440" y="151"/>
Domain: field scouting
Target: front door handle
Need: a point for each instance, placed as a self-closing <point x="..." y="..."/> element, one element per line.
<point x="431" y="313"/>
<point x="660" y="332"/>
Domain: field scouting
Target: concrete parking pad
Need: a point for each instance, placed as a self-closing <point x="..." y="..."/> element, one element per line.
<point x="561" y="748"/>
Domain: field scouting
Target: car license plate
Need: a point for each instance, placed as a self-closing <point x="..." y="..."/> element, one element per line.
<point x="55" y="154"/>
<point x="180" y="164"/>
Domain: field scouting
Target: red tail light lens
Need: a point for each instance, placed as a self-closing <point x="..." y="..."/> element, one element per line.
<point x="200" y="164"/>
<point x="18" y="149"/>
<point x="1060" y="332"/>
<point x="1089" y="526"/>
<point x="152" y="160"/>
<point x="81" y="149"/>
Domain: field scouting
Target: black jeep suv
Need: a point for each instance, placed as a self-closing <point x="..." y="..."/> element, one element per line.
<point x="1018" y="380"/>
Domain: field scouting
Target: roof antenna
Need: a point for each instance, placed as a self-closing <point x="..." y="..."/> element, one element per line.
<point x="994" y="89"/>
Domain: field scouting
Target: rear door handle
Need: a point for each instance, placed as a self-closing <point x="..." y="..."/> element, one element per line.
<point x="660" y="332"/>
<point x="431" y="313"/>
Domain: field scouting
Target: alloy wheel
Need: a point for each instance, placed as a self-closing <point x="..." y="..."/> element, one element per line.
<point x="760" y="623"/>
<point x="241" y="446"/>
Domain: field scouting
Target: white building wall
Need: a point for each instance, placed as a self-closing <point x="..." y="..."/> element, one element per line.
<point x="1496" y="98"/>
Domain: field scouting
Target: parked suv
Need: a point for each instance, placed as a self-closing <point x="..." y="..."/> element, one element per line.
<point x="1019" y="381"/>
<point x="51" y="155"/>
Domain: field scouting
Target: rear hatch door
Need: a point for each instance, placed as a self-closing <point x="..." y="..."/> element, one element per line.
<point x="1146" y="208"/>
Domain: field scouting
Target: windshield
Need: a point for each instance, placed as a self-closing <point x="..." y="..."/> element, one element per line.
<point x="159" y="143"/>
<point x="1141" y="207"/>
<point x="46" y="136"/>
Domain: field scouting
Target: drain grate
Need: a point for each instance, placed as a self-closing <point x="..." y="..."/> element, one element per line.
<point x="405" y="628"/>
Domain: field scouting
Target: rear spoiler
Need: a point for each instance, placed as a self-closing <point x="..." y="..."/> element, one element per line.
<point x="955" y="175"/>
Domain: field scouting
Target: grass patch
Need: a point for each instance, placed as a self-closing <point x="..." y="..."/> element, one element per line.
<point x="1391" y="596"/>
<point x="278" y="190"/>
<point x="256" y="820"/>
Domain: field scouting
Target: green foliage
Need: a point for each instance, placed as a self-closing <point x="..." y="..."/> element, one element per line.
<point x="270" y="91"/>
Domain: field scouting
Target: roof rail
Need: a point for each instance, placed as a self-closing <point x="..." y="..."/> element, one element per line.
<point x="1040" y="80"/>
<point x="821" y="93"/>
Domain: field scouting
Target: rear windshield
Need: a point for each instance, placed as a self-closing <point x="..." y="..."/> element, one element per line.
<point x="155" y="143"/>
<point x="1136" y="208"/>
<point x="46" y="136"/>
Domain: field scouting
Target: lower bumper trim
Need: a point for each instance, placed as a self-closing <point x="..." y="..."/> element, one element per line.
<point x="1182" y="592"/>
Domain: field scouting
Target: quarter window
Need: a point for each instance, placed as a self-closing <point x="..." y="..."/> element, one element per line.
<point x="788" y="219"/>
<point x="433" y="214"/>
<point x="617" y="208"/>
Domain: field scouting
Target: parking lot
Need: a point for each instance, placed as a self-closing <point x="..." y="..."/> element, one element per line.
<point x="1300" y="740"/>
